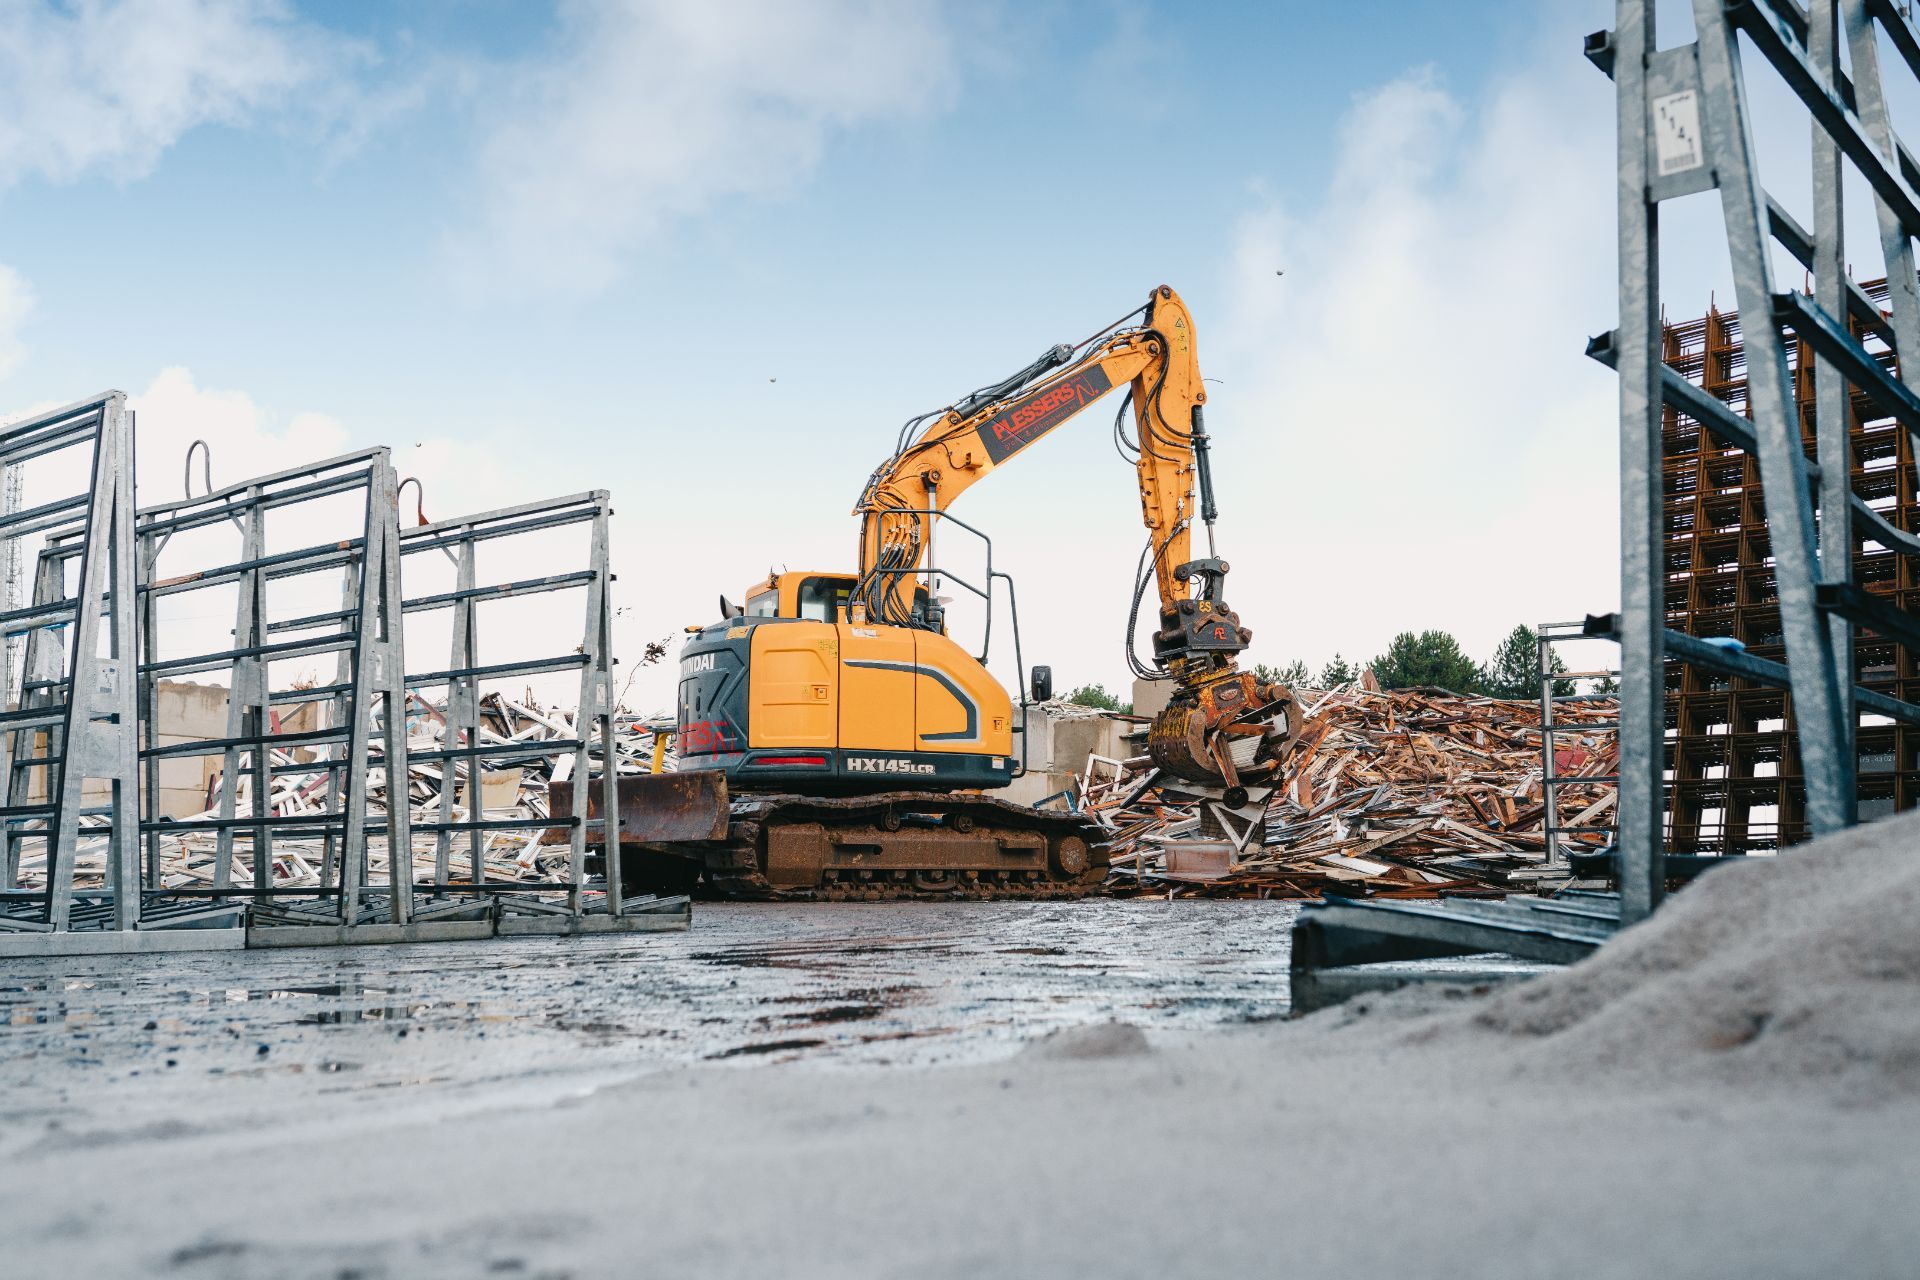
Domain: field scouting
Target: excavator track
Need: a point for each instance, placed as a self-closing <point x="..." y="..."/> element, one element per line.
<point x="901" y="845"/>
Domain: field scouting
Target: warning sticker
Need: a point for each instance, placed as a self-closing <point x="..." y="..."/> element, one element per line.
<point x="1676" y="133"/>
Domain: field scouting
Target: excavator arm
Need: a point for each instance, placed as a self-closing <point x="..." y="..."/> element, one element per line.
<point x="965" y="442"/>
<point x="1222" y="726"/>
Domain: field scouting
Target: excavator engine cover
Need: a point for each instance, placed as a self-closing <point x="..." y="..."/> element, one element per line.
<point x="1225" y="733"/>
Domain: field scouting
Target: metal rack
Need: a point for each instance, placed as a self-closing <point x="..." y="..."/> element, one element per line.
<point x="573" y="904"/>
<point x="74" y="722"/>
<point x="1549" y="635"/>
<point x="1685" y="128"/>
<point x="87" y="725"/>
<point x="364" y="633"/>
<point x="1347" y="947"/>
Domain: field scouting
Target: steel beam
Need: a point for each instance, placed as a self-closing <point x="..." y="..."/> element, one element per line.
<point x="1642" y="533"/>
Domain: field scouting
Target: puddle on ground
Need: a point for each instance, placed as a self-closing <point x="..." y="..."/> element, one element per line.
<point x="828" y="984"/>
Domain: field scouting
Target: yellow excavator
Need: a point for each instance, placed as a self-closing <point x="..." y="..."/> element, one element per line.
<point x="835" y="741"/>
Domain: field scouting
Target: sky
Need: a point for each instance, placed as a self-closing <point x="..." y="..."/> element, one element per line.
<point x="710" y="256"/>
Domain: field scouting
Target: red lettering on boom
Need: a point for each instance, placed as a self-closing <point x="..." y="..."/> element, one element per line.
<point x="1023" y="422"/>
<point x="1012" y="424"/>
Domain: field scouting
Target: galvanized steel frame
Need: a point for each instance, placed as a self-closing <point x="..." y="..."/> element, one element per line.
<point x="1547" y="636"/>
<point x="459" y="540"/>
<point x="82" y="700"/>
<point x="90" y="710"/>
<point x="366" y="635"/>
<point x="1683" y="128"/>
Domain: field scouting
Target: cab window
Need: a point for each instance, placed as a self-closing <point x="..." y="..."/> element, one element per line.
<point x="764" y="605"/>
<point x="824" y="599"/>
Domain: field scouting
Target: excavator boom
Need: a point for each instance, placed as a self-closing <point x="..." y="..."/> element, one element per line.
<point x="985" y="430"/>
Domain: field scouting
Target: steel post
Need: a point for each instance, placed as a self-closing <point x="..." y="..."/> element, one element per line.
<point x="1642" y="536"/>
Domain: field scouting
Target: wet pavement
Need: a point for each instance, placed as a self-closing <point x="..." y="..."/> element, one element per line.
<point x="122" y="1045"/>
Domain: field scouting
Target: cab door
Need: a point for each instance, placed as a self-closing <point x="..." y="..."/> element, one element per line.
<point x="876" y="688"/>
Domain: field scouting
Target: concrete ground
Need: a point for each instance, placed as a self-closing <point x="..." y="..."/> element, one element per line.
<point x="887" y="1090"/>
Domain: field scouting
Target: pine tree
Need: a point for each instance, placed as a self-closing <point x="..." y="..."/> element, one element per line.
<point x="1514" y="669"/>
<point x="1431" y="658"/>
<point x="1338" y="672"/>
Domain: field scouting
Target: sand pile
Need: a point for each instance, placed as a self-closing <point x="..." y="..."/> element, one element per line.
<point x="1113" y="1039"/>
<point x="1773" y="970"/>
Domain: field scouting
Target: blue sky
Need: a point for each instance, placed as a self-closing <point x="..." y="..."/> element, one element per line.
<point x="710" y="257"/>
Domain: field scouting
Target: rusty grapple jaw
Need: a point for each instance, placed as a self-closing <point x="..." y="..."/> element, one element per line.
<point x="1223" y="728"/>
<point x="1232" y="732"/>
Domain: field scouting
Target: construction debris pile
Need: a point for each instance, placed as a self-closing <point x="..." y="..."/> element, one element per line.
<point x="190" y="860"/>
<point x="1400" y="793"/>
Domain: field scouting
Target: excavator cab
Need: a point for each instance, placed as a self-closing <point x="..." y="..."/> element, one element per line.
<point x="835" y="706"/>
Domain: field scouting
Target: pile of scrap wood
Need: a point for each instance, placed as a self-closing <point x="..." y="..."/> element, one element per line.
<point x="1396" y="793"/>
<point x="436" y="791"/>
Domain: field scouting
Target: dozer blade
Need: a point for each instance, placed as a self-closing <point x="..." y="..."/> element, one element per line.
<point x="656" y="808"/>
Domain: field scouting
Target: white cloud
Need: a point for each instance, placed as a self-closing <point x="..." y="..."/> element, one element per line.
<point x="1412" y="389"/>
<point x="174" y="411"/>
<point x="649" y="111"/>
<point x="109" y="84"/>
<point x="1407" y="432"/>
<point x="459" y="477"/>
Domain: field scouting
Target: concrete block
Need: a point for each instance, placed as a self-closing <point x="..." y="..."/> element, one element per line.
<point x="1150" y="697"/>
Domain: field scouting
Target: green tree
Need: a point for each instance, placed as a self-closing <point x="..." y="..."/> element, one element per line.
<point x="1430" y="658"/>
<point x="1338" y="672"/>
<point x="1096" y="695"/>
<point x="1514" y="669"/>
<point x="1293" y="673"/>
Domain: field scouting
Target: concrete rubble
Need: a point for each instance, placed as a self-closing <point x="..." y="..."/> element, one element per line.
<point x="1401" y="793"/>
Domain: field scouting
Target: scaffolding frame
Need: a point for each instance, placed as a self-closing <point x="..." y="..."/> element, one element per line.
<point x="1684" y="128"/>
<point x="1548" y="636"/>
<point x="522" y="905"/>
<point x="81" y="699"/>
<point x="94" y="718"/>
<point x="367" y="692"/>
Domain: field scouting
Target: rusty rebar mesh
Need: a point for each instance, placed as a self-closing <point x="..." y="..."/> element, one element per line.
<point x="1736" y="784"/>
